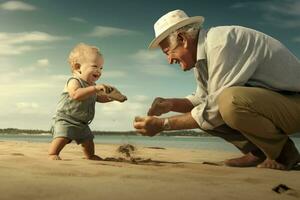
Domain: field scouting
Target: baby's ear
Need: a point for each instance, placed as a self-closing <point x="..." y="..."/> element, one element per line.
<point x="76" y="67"/>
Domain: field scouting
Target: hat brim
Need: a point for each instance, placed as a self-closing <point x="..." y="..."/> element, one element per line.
<point x="191" y="20"/>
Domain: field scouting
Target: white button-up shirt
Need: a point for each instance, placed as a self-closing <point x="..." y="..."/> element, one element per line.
<point x="234" y="56"/>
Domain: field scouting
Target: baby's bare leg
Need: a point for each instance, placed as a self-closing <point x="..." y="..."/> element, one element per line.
<point x="56" y="146"/>
<point x="88" y="148"/>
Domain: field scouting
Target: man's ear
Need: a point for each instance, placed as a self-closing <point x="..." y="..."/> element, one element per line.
<point x="182" y="39"/>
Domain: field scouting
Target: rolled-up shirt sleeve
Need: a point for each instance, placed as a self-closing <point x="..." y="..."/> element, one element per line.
<point x="197" y="97"/>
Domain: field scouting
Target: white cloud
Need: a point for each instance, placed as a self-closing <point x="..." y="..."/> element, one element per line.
<point x="20" y="38"/>
<point x="286" y="7"/>
<point x="77" y="19"/>
<point x="140" y="98"/>
<point x="114" y="74"/>
<point x="106" y="31"/>
<point x="153" y="63"/>
<point x="291" y="24"/>
<point x="276" y="12"/>
<point x="291" y="7"/>
<point x="27" y="108"/>
<point x="25" y="105"/>
<point x="31" y="95"/>
<point x="279" y="22"/>
<point x="60" y="78"/>
<point x="144" y="55"/>
<point x="17" y="6"/>
<point x="297" y="39"/>
<point x="239" y="5"/>
<point x="17" y="43"/>
<point x="118" y="116"/>
<point x="43" y="62"/>
<point x="15" y="50"/>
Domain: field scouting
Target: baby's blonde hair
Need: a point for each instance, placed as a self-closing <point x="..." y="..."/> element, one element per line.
<point x="81" y="53"/>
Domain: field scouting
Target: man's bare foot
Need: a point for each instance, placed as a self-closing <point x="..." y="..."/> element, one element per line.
<point x="248" y="160"/>
<point x="54" y="157"/>
<point x="94" y="157"/>
<point x="272" y="164"/>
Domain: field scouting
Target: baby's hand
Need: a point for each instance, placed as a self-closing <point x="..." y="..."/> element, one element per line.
<point x="103" y="89"/>
<point x="111" y="92"/>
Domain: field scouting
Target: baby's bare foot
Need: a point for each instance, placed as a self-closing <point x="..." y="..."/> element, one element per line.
<point x="95" y="157"/>
<point x="54" y="157"/>
<point x="271" y="164"/>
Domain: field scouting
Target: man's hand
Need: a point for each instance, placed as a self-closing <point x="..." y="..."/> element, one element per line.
<point x="160" y="106"/>
<point x="148" y="126"/>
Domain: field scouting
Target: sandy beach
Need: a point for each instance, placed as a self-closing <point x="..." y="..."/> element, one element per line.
<point x="26" y="173"/>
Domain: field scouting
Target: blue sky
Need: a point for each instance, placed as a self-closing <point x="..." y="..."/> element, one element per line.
<point x="37" y="35"/>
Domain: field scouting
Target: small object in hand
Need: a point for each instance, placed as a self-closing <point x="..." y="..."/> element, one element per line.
<point x="114" y="94"/>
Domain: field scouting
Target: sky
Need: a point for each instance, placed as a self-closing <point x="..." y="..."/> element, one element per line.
<point x="36" y="37"/>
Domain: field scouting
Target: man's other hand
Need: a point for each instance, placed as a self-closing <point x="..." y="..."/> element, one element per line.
<point x="148" y="126"/>
<point x="160" y="106"/>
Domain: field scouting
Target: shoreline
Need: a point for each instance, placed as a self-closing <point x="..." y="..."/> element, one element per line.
<point x="26" y="173"/>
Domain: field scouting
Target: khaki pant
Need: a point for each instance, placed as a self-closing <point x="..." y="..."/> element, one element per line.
<point x="259" y="121"/>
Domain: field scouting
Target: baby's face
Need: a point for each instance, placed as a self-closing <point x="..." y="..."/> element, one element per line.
<point x="91" y="68"/>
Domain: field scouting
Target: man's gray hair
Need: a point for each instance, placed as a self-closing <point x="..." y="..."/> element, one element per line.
<point x="191" y="31"/>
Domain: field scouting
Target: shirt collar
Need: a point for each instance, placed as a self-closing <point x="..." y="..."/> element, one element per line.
<point x="201" y="53"/>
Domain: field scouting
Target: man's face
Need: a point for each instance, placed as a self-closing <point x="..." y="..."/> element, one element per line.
<point x="181" y="54"/>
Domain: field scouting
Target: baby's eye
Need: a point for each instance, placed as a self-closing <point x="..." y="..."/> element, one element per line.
<point x="95" y="66"/>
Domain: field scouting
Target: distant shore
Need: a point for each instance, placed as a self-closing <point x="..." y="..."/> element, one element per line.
<point x="165" y="133"/>
<point x="40" y="132"/>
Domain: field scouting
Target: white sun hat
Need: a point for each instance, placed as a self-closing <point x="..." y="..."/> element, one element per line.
<point x="169" y="23"/>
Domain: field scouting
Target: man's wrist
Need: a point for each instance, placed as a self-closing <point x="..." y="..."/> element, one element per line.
<point x="166" y="124"/>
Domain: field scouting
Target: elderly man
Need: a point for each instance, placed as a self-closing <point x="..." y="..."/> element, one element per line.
<point x="247" y="92"/>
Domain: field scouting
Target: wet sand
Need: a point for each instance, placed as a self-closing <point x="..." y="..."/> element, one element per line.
<point x="26" y="173"/>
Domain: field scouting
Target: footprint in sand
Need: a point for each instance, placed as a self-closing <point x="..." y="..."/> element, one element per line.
<point x="17" y="154"/>
<point x="67" y="164"/>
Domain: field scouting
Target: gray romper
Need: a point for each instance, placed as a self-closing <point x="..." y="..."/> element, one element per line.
<point x="73" y="116"/>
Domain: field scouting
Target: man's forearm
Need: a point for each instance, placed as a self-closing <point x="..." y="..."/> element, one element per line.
<point x="184" y="121"/>
<point x="181" y="105"/>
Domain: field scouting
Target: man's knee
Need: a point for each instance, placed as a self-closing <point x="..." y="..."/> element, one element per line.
<point x="230" y="103"/>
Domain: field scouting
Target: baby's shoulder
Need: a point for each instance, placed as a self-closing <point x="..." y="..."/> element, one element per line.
<point x="73" y="83"/>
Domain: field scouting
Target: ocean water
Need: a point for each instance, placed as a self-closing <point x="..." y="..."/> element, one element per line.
<point x="188" y="142"/>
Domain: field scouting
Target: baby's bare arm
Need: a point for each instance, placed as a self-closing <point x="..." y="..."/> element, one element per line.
<point x="78" y="93"/>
